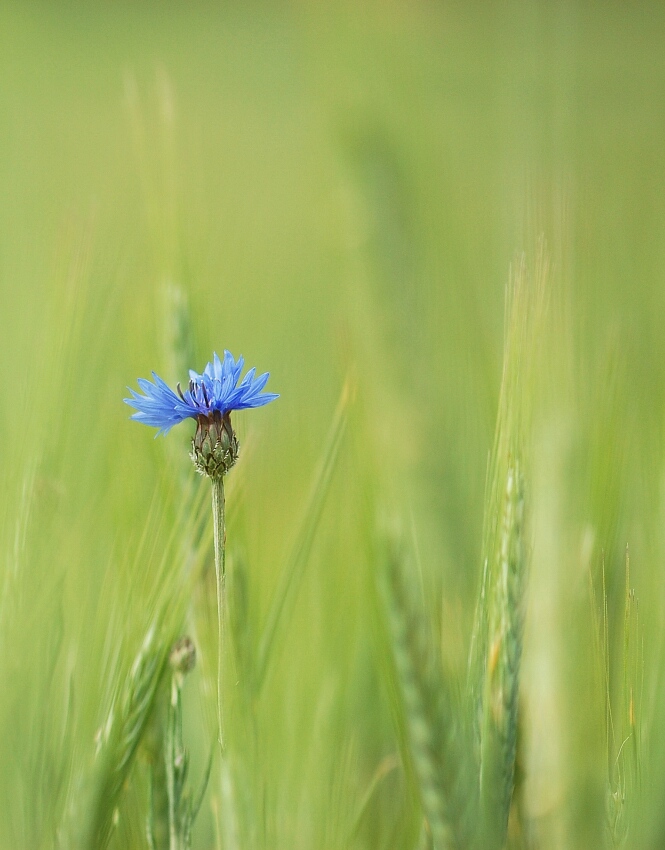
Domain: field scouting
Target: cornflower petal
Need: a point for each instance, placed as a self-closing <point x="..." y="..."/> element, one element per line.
<point x="240" y="362"/>
<point x="216" y="389"/>
<point x="228" y="364"/>
<point x="259" y="383"/>
<point x="249" y="377"/>
<point x="216" y="366"/>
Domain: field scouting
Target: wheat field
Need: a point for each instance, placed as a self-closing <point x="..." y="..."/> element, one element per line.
<point x="441" y="228"/>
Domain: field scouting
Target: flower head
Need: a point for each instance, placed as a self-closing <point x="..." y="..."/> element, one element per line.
<point x="209" y="399"/>
<point x="215" y="389"/>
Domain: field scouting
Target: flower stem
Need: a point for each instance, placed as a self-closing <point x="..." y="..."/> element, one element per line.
<point x="220" y="557"/>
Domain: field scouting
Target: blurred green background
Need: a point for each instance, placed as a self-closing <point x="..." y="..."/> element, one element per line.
<point x="335" y="191"/>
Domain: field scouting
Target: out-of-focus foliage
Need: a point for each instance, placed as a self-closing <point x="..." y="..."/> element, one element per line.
<point x="336" y="191"/>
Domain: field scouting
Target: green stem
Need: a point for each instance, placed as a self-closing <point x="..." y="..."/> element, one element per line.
<point x="220" y="556"/>
<point x="170" y="761"/>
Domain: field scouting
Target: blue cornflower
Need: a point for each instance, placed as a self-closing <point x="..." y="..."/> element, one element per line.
<point x="215" y="389"/>
<point x="209" y="399"/>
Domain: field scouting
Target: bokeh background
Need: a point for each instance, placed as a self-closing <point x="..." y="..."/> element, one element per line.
<point x="337" y="192"/>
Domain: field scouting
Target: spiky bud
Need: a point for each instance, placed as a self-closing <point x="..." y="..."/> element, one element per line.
<point x="214" y="445"/>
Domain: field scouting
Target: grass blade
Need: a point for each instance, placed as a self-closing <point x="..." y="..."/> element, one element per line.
<point x="287" y="590"/>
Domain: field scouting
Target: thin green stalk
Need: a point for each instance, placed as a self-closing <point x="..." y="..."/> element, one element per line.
<point x="170" y="761"/>
<point x="218" y="507"/>
<point x="285" y="595"/>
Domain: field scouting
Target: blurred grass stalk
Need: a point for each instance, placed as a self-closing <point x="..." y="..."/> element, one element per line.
<point x="467" y="790"/>
<point x="172" y="809"/>
<point x="437" y="746"/>
<point x="497" y="640"/>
